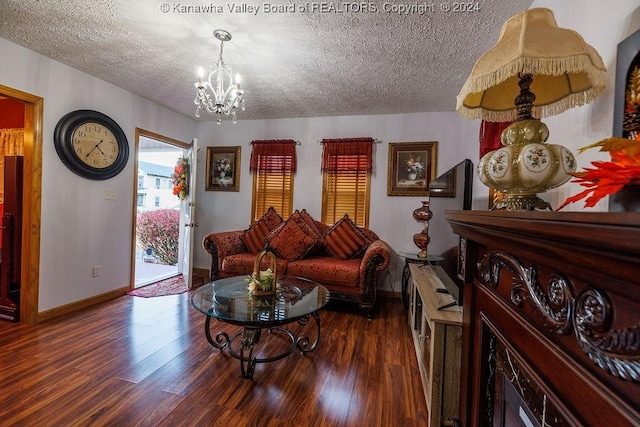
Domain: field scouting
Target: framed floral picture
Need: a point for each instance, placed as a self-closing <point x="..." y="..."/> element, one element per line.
<point x="223" y="169"/>
<point x="412" y="167"/>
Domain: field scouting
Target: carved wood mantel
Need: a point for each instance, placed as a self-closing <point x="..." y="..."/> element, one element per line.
<point x="551" y="310"/>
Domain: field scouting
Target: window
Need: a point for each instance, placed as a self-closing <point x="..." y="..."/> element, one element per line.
<point x="156" y="202"/>
<point x="157" y="182"/>
<point x="346" y="179"/>
<point x="140" y="181"/>
<point x="273" y="164"/>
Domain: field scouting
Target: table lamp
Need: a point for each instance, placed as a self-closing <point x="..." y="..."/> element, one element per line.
<point x="536" y="69"/>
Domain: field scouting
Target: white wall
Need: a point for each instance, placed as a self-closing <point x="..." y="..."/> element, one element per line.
<point x="80" y="229"/>
<point x="603" y="25"/>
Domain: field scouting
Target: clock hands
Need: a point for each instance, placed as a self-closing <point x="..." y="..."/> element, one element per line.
<point x="100" y="149"/>
<point x="96" y="146"/>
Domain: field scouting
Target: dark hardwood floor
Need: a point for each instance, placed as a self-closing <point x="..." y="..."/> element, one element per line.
<point x="146" y="362"/>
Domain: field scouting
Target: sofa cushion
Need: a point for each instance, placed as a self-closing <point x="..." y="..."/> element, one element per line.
<point x="344" y="240"/>
<point x="253" y="237"/>
<point x="242" y="265"/>
<point x="327" y="270"/>
<point x="290" y="240"/>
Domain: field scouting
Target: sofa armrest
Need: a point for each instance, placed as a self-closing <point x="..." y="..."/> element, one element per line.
<point x="376" y="258"/>
<point x="219" y="245"/>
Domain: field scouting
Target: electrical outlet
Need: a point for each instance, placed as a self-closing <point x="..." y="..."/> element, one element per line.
<point x="96" y="270"/>
<point x="110" y="195"/>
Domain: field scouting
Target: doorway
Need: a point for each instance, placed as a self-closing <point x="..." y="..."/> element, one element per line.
<point x="157" y="209"/>
<point x="31" y="199"/>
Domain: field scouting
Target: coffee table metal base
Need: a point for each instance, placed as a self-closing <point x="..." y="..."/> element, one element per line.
<point x="250" y="335"/>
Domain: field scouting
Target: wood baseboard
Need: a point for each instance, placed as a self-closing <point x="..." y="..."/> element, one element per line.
<point x="65" y="310"/>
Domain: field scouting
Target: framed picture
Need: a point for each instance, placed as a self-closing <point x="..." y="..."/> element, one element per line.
<point x="626" y="112"/>
<point x="412" y="167"/>
<point x="223" y="169"/>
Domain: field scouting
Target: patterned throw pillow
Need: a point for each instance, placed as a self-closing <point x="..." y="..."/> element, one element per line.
<point x="312" y="231"/>
<point x="309" y="220"/>
<point x="344" y="240"/>
<point x="290" y="241"/>
<point x="254" y="237"/>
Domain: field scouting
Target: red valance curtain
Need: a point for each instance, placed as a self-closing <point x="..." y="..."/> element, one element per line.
<point x="273" y="155"/>
<point x="347" y="155"/>
<point x="490" y="136"/>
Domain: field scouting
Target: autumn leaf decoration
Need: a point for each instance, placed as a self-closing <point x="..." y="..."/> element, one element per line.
<point x="606" y="178"/>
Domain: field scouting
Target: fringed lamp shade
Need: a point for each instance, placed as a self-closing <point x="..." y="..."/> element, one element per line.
<point x="567" y="71"/>
<point x="536" y="69"/>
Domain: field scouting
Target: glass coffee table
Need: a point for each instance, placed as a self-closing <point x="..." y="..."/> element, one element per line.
<point x="227" y="300"/>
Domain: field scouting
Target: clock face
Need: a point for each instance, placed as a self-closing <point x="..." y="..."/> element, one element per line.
<point x="95" y="145"/>
<point x="91" y="144"/>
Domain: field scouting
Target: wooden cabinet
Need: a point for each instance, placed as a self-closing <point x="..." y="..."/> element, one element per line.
<point x="551" y="325"/>
<point x="437" y="335"/>
<point x="11" y="251"/>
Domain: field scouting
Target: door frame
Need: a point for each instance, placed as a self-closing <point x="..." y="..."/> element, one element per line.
<point x="164" y="139"/>
<point x="31" y="202"/>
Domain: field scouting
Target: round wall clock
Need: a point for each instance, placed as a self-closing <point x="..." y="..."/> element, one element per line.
<point x="91" y="144"/>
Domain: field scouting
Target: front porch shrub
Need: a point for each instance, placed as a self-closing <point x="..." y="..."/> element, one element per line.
<point x="159" y="230"/>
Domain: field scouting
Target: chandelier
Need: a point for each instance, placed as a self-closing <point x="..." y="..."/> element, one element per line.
<point x="226" y="94"/>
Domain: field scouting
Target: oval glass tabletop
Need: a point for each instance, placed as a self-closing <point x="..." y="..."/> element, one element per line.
<point x="228" y="300"/>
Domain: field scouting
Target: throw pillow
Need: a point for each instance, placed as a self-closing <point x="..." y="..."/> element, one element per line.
<point x="289" y="241"/>
<point x="309" y="220"/>
<point x="308" y="225"/>
<point x="343" y="240"/>
<point x="254" y="237"/>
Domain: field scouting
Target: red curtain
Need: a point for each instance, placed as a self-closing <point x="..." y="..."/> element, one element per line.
<point x="490" y="136"/>
<point x="273" y="155"/>
<point x="347" y="155"/>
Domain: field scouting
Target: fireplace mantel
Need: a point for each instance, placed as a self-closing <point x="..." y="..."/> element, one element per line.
<point x="551" y="328"/>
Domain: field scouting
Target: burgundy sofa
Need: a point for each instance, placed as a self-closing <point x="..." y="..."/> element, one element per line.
<point x="345" y="258"/>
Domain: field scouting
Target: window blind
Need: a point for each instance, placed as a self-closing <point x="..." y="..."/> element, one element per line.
<point x="273" y="164"/>
<point x="346" y="168"/>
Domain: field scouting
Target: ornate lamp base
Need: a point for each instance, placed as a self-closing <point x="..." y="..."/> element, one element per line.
<point x="421" y="240"/>
<point x="525" y="166"/>
<point x="520" y="202"/>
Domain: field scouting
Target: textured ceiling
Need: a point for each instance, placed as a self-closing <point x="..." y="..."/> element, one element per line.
<point x="336" y="58"/>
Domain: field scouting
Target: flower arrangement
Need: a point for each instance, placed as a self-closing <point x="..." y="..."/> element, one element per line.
<point x="263" y="281"/>
<point x="607" y="178"/>
<point x="415" y="166"/>
<point x="180" y="178"/>
<point x="224" y="166"/>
